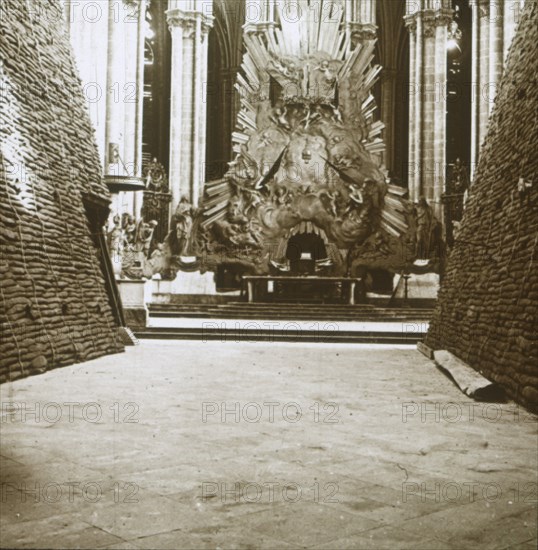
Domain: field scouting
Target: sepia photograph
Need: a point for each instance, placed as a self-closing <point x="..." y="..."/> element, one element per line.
<point x="269" y="274"/>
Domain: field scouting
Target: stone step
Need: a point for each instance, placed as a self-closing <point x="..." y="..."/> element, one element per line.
<point x="281" y="307"/>
<point x="261" y="305"/>
<point x="282" y="317"/>
<point x="321" y="337"/>
<point x="351" y="313"/>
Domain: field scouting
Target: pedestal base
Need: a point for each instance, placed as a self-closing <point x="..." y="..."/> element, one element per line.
<point x="135" y="294"/>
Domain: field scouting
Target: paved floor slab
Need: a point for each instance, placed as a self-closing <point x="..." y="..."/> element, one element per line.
<point x="262" y="445"/>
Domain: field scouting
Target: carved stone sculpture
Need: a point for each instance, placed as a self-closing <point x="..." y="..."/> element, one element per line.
<point x="183" y="225"/>
<point x="129" y="244"/>
<point x="155" y="176"/>
<point x="308" y="154"/>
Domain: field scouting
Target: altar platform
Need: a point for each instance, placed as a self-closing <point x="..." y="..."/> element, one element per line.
<point x="304" y="289"/>
<point x="285" y="308"/>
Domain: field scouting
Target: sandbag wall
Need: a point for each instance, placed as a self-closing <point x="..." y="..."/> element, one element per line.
<point x="487" y="312"/>
<point x="54" y="307"/>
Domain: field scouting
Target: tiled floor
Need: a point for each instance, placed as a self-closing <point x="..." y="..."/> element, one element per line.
<point x="187" y="445"/>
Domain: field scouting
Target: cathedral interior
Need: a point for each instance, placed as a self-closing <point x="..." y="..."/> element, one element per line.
<point x="284" y="252"/>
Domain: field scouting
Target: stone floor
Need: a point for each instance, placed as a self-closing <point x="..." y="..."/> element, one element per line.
<point x="188" y="445"/>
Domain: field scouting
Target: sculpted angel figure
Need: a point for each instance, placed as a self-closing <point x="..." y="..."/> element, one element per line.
<point x="324" y="80"/>
<point x="312" y="115"/>
<point x="279" y="118"/>
<point x="244" y="168"/>
<point x="287" y="68"/>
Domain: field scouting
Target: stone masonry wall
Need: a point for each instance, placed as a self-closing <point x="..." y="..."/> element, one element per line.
<point x="487" y="312"/>
<point x="54" y="309"/>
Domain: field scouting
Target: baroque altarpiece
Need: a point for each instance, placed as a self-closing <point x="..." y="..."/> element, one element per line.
<point x="307" y="178"/>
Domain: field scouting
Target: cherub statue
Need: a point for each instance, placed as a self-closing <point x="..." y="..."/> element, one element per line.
<point x="288" y="69"/>
<point x="324" y="80"/>
<point x="265" y="140"/>
<point x="279" y="118"/>
<point x="337" y="115"/>
<point x="252" y="198"/>
<point x="235" y="212"/>
<point x="312" y="115"/>
<point x="328" y="200"/>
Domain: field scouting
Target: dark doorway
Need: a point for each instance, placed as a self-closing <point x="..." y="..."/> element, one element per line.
<point x="306" y="243"/>
<point x="303" y="250"/>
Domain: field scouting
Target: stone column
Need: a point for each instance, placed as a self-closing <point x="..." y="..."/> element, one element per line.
<point x="442" y="21"/>
<point x="204" y="52"/>
<point x="496" y="42"/>
<point x="176" y="23"/>
<point x="413" y="90"/>
<point x="484" y="82"/>
<point x="494" y="24"/>
<point x="189" y="24"/>
<point x="430" y="99"/>
<point x="428" y="30"/>
<point x="141" y="39"/>
<point x="360" y="20"/>
<point x="388" y="93"/>
<point x="475" y="90"/>
<point x="111" y="71"/>
<point x="417" y="123"/>
<point x="414" y="24"/>
<point x="486" y="91"/>
<point x="367" y="10"/>
<point x="132" y="96"/>
<point x="87" y="24"/>
<point x="113" y="97"/>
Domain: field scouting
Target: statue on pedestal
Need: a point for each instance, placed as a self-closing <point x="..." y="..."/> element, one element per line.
<point x="130" y="245"/>
<point x="144" y="236"/>
<point x="116" y="239"/>
<point x="183" y="217"/>
<point x="425" y="222"/>
<point x="129" y="228"/>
